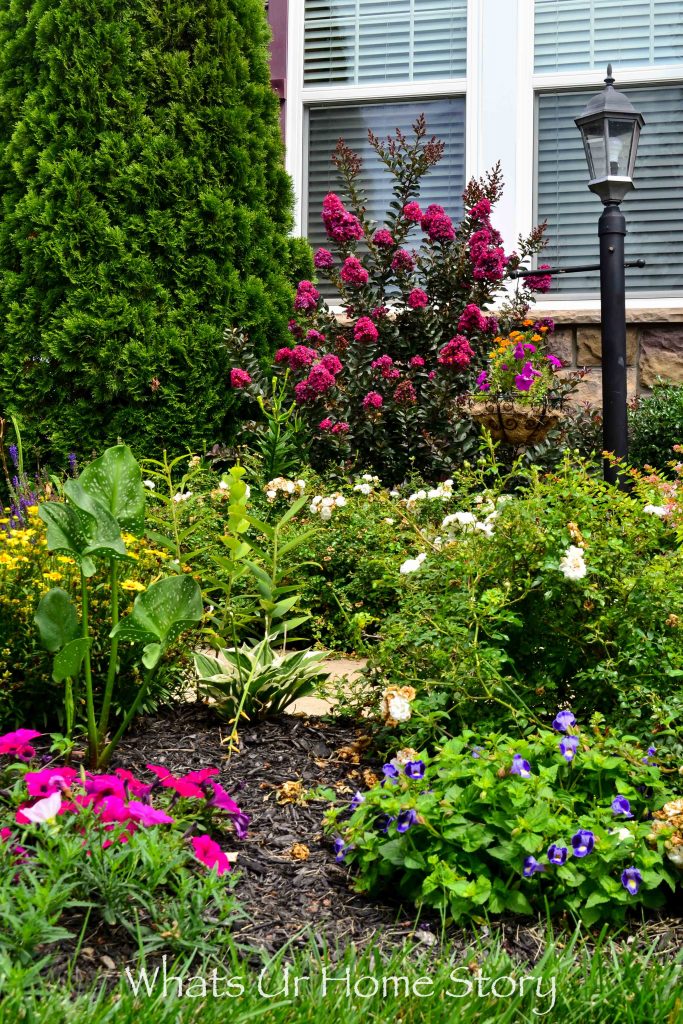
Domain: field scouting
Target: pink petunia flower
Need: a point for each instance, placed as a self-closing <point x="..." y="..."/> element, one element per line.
<point x="18" y="743"/>
<point x="147" y="815"/>
<point x="49" y="781"/>
<point x="210" y="853"/>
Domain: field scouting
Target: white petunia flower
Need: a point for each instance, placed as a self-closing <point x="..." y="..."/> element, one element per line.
<point x="149" y="484"/>
<point x="656" y="510"/>
<point x="399" y="709"/>
<point x="572" y="564"/>
<point x="47" y="809"/>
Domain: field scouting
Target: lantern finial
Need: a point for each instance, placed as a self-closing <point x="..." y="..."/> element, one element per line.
<point x="609" y="80"/>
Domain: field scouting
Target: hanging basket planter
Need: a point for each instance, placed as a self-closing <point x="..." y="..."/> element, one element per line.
<point x="513" y="422"/>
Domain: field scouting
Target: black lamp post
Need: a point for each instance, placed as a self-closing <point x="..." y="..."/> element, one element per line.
<point x="610" y="128"/>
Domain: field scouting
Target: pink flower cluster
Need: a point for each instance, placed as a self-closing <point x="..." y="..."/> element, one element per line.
<point x="405" y="393"/>
<point x="365" y="330"/>
<point x="121" y="802"/>
<point x="481" y="211"/>
<point x="239" y="378"/>
<point x="437" y="224"/>
<point x="540" y="282"/>
<point x="18" y="743"/>
<point x="385" y="364"/>
<point x="320" y="379"/>
<point x="383" y="238"/>
<point x="412" y="212"/>
<point x="354" y="273"/>
<point x="307" y="297"/>
<point x="296" y="358"/>
<point x="323" y="259"/>
<point x="417" y="299"/>
<point x="329" y="426"/>
<point x="416" y="362"/>
<point x="487" y="256"/>
<point x="457" y="353"/>
<point x="340" y="225"/>
<point x="373" y="400"/>
<point x="403" y="262"/>
<point x="472" y="320"/>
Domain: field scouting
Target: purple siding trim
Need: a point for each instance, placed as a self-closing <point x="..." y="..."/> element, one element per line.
<point x="277" y="18"/>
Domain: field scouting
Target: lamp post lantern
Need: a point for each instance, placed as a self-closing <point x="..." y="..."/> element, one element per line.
<point x="610" y="129"/>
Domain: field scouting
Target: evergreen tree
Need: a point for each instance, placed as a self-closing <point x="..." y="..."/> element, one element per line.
<point x="145" y="208"/>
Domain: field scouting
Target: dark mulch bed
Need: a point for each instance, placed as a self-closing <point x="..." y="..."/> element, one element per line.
<point x="288" y="900"/>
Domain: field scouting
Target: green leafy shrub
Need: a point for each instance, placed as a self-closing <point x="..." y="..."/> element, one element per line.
<point x="656" y="426"/>
<point x="495" y="823"/>
<point x="566" y="590"/>
<point x="145" y="208"/>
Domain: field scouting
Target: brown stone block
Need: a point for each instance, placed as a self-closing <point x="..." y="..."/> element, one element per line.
<point x="589" y="346"/>
<point x="661" y="355"/>
<point x="590" y="387"/>
<point x="561" y="344"/>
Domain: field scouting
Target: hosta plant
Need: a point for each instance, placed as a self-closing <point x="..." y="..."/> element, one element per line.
<point x="559" y="818"/>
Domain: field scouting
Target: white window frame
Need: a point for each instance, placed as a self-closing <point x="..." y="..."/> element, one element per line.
<point x="500" y="91"/>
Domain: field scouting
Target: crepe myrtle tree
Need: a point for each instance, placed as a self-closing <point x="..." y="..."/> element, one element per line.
<point x="383" y="383"/>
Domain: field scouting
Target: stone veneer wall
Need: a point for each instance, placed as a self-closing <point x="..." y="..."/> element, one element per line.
<point x="654" y="348"/>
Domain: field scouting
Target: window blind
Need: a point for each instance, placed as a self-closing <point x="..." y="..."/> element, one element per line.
<point x="443" y="183"/>
<point x="571" y="35"/>
<point x="654" y="211"/>
<point x="359" y="42"/>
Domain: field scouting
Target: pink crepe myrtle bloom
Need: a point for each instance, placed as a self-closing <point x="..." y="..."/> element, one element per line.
<point x="491" y="325"/>
<point x="403" y="262"/>
<point x="437" y="224"/>
<point x="365" y="330"/>
<point x="323" y="259"/>
<point x="377" y="312"/>
<point x="373" y="400"/>
<point x="383" y="238"/>
<point x="319" y="379"/>
<point x="490" y="266"/>
<point x="18" y="743"/>
<point x="340" y="225"/>
<point x="49" y="781"/>
<point x="540" y="282"/>
<point x="385" y="364"/>
<point x="325" y="424"/>
<point x="303" y="393"/>
<point x="472" y="320"/>
<point x="307" y="297"/>
<point x="412" y="212"/>
<point x="294" y="328"/>
<point x="354" y="273"/>
<point x="457" y="353"/>
<point x="341" y="428"/>
<point x="239" y="378"/>
<point x="315" y="337"/>
<point x="331" y="363"/>
<point x="405" y="393"/>
<point x="209" y="852"/>
<point x="481" y="211"/>
<point x="297" y="358"/>
<point x="417" y="299"/>
<point x="416" y="362"/>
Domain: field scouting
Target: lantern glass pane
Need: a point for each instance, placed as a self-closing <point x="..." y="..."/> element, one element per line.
<point x="596" y="151"/>
<point x="619" y="146"/>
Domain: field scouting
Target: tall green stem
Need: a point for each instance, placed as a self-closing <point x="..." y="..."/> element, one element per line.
<point x="113" y="653"/>
<point x="130" y="714"/>
<point x="90" y="706"/>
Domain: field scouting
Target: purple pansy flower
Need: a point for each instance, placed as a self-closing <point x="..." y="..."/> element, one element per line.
<point x="405" y="820"/>
<point x="620" y="805"/>
<point x="520" y="767"/>
<point x="631" y="879"/>
<point x="563" y="721"/>
<point x="531" y="866"/>
<point x="415" y="769"/>
<point x="391" y="773"/>
<point x="583" y="843"/>
<point x="557" y="854"/>
<point x="568" y="747"/>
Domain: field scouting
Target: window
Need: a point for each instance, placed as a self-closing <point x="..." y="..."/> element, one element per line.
<point x="574" y="35"/>
<point x="445" y="118"/>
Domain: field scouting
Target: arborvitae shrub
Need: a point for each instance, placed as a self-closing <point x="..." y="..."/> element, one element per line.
<point x="145" y="208"/>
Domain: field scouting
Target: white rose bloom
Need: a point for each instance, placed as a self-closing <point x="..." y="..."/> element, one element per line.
<point x="271" y="495"/>
<point x="368" y="478"/>
<point x="182" y="497"/>
<point x="389" y="522"/>
<point x="149" y="484"/>
<point x="340" y="501"/>
<point x="316" y="501"/>
<point x="289" y="486"/>
<point x="502" y="498"/>
<point x="325" y="513"/>
<point x="363" y="488"/>
<point x="399" y="709"/>
<point x="438" y="543"/>
<point x="223" y="486"/>
<point x="301" y="486"/>
<point x="461" y="518"/>
<point x="572" y="565"/>
<point x="247" y="493"/>
<point x="328" y="502"/>
<point x="394" y="494"/>
<point x="485" y="528"/>
<point x="656" y="510"/>
<point x="448" y="483"/>
<point x="410" y="565"/>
